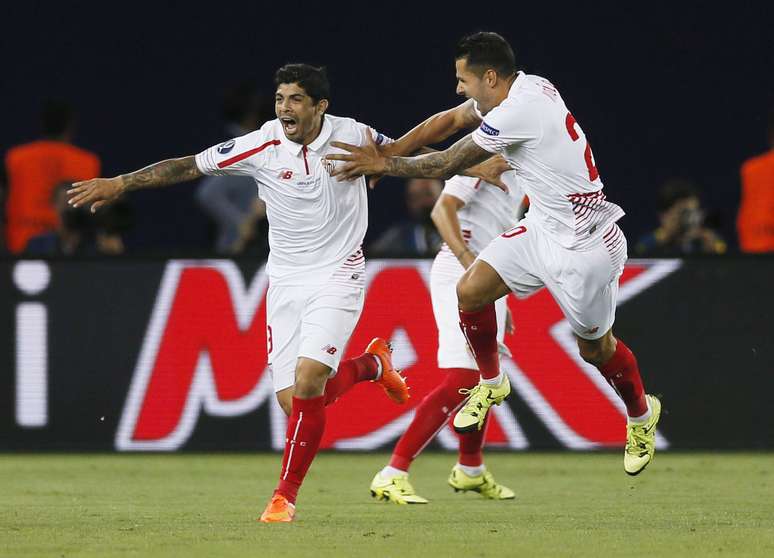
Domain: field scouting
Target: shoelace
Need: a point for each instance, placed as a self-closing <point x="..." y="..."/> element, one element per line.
<point x="475" y="394"/>
<point x="638" y="440"/>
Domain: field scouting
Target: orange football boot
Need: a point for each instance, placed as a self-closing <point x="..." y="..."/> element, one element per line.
<point x="279" y="510"/>
<point x="392" y="382"/>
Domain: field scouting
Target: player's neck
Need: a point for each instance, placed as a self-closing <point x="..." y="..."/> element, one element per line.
<point x="314" y="132"/>
<point x="503" y="88"/>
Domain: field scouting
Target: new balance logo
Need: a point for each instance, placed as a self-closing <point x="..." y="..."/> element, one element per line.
<point x="330" y="349"/>
<point x="285" y="175"/>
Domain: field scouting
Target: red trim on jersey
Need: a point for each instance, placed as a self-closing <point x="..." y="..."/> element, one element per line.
<point x="306" y="163"/>
<point x="246" y="154"/>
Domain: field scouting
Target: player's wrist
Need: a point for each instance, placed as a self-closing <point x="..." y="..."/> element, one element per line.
<point x="123" y="183"/>
<point x="460" y="253"/>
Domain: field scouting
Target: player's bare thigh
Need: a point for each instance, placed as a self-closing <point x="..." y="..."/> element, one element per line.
<point x="479" y="286"/>
<point x="311" y="376"/>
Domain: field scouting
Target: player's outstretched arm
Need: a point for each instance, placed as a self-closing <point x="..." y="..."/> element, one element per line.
<point x="102" y="191"/>
<point x="367" y="160"/>
<point x="435" y="129"/>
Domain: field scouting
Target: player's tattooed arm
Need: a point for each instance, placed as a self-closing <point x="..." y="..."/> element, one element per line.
<point x="163" y="173"/>
<point x="99" y="192"/>
<point x="367" y="160"/>
<point x="443" y="164"/>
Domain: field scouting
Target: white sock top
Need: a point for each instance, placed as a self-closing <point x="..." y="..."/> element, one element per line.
<point x="389" y="472"/>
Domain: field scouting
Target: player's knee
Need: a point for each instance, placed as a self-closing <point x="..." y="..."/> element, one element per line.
<point x="591" y="354"/>
<point x="310" y="380"/>
<point x="469" y="296"/>
<point x="594" y="351"/>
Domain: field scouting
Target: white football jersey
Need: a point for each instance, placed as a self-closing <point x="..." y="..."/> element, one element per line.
<point x="488" y="211"/>
<point x="315" y="222"/>
<point x="543" y="143"/>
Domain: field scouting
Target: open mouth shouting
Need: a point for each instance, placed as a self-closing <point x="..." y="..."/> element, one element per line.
<point x="290" y="125"/>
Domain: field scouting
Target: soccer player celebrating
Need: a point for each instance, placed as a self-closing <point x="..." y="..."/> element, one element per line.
<point x="569" y="241"/>
<point x="468" y="214"/>
<point x="316" y="265"/>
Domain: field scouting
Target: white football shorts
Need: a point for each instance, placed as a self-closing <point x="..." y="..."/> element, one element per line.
<point x="583" y="283"/>
<point x="315" y="324"/>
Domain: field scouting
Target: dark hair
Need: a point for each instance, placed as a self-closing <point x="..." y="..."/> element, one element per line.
<point x="674" y="190"/>
<point x="57" y="117"/>
<point x="486" y="50"/>
<point x="311" y="79"/>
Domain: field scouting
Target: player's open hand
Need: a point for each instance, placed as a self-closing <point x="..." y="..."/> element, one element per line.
<point x="364" y="160"/>
<point x="97" y="192"/>
<point x="491" y="171"/>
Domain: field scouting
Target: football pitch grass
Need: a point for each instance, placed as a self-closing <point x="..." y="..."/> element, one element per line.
<point x="568" y="504"/>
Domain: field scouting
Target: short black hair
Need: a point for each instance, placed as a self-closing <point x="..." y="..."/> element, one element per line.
<point x="313" y="80"/>
<point x="487" y="50"/>
<point x="57" y="117"/>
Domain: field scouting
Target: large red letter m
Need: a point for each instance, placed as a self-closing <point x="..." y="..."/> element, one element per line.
<point x="205" y="349"/>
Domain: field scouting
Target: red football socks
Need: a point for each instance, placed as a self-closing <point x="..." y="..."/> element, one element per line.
<point x="471" y="446"/>
<point x="480" y="329"/>
<point x="305" y="429"/>
<point x="622" y="372"/>
<point x="350" y="372"/>
<point x="431" y="416"/>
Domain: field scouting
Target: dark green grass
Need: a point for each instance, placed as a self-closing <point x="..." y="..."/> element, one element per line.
<point x="567" y="505"/>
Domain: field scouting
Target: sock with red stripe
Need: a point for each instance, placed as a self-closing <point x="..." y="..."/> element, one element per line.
<point x="360" y="369"/>
<point x="622" y="372"/>
<point x="431" y="415"/>
<point x="480" y="329"/>
<point x="305" y="429"/>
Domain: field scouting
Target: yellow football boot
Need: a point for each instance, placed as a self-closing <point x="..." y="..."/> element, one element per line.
<point x="481" y="397"/>
<point x="396" y="489"/>
<point x="484" y="484"/>
<point x="641" y="440"/>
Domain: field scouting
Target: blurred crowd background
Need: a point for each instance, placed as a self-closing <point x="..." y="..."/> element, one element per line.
<point x="680" y="116"/>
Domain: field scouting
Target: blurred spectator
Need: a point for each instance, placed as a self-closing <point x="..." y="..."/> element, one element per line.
<point x="232" y="201"/>
<point x="417" y="236"/>
<point x="684" y="227"/>
<point x="79" y="232"/>
<point x="755" y="222"/>
<point x="34" y="170"/>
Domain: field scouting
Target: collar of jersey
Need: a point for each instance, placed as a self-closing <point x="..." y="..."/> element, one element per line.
<point x="517" y="83"/>
<point x="317" y="144"/>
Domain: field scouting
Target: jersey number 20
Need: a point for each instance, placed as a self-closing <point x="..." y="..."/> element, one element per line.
<point x="570" y="122"/>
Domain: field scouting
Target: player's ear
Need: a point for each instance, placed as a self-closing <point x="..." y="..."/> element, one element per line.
<point x="491" y="78"/>
<point x="322" y="106"/>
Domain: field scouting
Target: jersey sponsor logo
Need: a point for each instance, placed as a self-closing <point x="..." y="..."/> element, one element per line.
<point x="487" y="129"/>
<point x="226" y="146"/>
<point x="206" y="352"/>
